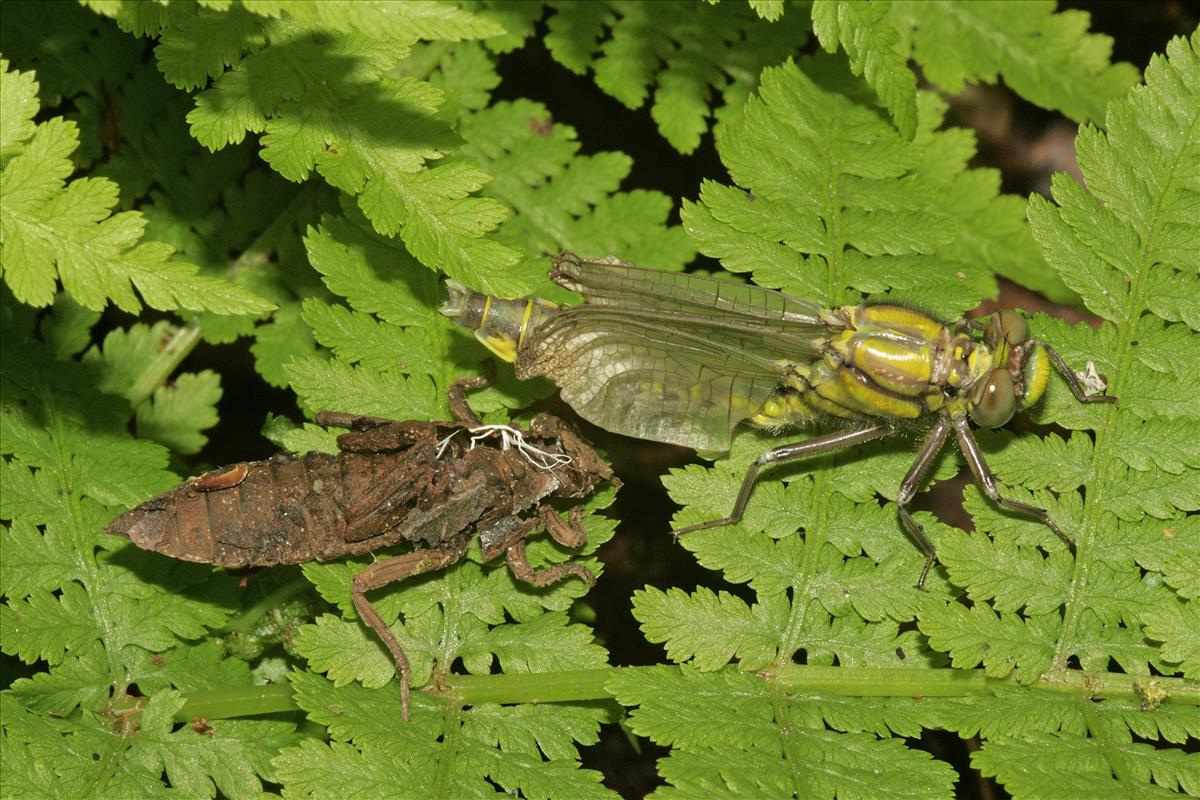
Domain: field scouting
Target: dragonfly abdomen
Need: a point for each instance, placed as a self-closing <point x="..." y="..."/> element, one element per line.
<point x="844" y="392"/>
<point x="500" y="323"/>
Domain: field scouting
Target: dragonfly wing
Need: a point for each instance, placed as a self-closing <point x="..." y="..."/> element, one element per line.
<point x="734" y="336"/>
<point x="650" y="379"/>
<point x="616" y="283"/>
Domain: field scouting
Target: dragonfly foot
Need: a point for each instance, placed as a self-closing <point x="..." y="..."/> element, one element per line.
<point x="929" y="558"/>
<point x="712" y="523"/>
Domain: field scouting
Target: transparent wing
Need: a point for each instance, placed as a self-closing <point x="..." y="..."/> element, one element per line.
<point x="616" y="283"/>
<point x="667" y="356"/>
<point x="662" y="375"/>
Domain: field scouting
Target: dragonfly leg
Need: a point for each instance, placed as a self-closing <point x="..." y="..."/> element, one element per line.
<point x="1072" y="380"/>
<point x="391" y="570"/>
<point x="789" y="452"/>
<point x="986" y="481"/>
<point x="569" y="534"/>
<point x="522" y="570"/>
<point x="458" y="398"/>
<point x="908" y="489"/>
<point x="339" y="419"/>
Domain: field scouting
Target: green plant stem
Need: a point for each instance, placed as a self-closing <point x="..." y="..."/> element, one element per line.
<point x="582" y="685"/>
<point x="244" y="701"/>
<point x="182" y="342"/>
<point x="245" y="621"/>
<point x="423" y="65"/>
<point x="545" y="687"/>
<point x="259" y="251"/>
<point x="865" y="682"/>
<point x="578" y="686"/>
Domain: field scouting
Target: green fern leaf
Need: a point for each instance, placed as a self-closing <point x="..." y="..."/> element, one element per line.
<point x="55" y="231"/>
<point x="229" y="756"/>
<point x="770" y="10"/>
<point x="683" y="52"/>
<point x="1175" y="625"/>
<point x="195" y="48"/>
<point x="173" y="415"/>
<point x="708" y="628"/>
<point x="347" y="653"/>
<point x="563" y="200"/>
<point x="423" y="19"/>
<point x="284" y="337"/>
<point x="312" y="122"/>
<point x="840" y="144"/>
<point x="92" y="615"/>
<point x="371" y="272"/>
<point x="527" y="749"/>
<point x="1003" y="644"/>
<point x="753" y="751"/>
<point x="1080" y="769"/>
<point x="325" y="385"/>
<point x="1142" y="232"/>
<point x="1046" y="57"/>
<point x="869" y="38"/>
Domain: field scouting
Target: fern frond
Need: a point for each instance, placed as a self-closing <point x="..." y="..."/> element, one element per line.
<point x="55" y="231"/>
<point x="873" y="44"/>
<point x="563" y="200"/>
<point x="1046" y="56"/>
<point x="684" y="52"/>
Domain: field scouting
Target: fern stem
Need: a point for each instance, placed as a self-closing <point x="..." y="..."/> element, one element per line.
<point x="868" y="682"/>
<point x="448" y="758"/>
<point x="882" y="682"/>
<point x="577" y="686"/>
<point x="545" y="687"/>
<point x="243" y="622"/>
<point x="1112" y="740"/>
<point x="591" y="684"/>
<point x="242" y="701"/>
<point x="422" y="66"/>
<point x="1104" y="468"/>
<point x="177" y="348"/>
<point x="814" y="542"/>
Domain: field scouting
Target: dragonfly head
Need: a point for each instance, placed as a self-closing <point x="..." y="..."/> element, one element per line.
<point x="1019" y="376"/>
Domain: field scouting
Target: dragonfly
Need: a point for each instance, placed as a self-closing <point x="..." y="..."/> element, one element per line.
<point x="685" y="359"/>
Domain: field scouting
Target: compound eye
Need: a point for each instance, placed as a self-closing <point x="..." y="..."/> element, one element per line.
<point x="993" y="401"/>
<point x="1013" y="326"/>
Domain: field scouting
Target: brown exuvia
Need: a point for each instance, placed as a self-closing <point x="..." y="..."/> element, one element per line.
<point x="433" y="484"/>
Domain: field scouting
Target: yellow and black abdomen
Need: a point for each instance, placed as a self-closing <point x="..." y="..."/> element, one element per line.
<point x="500" y="323"/>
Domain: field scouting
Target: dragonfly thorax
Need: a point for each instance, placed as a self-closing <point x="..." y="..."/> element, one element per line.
<point x="888" y="361"/>
<point x="880" y="361"/>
